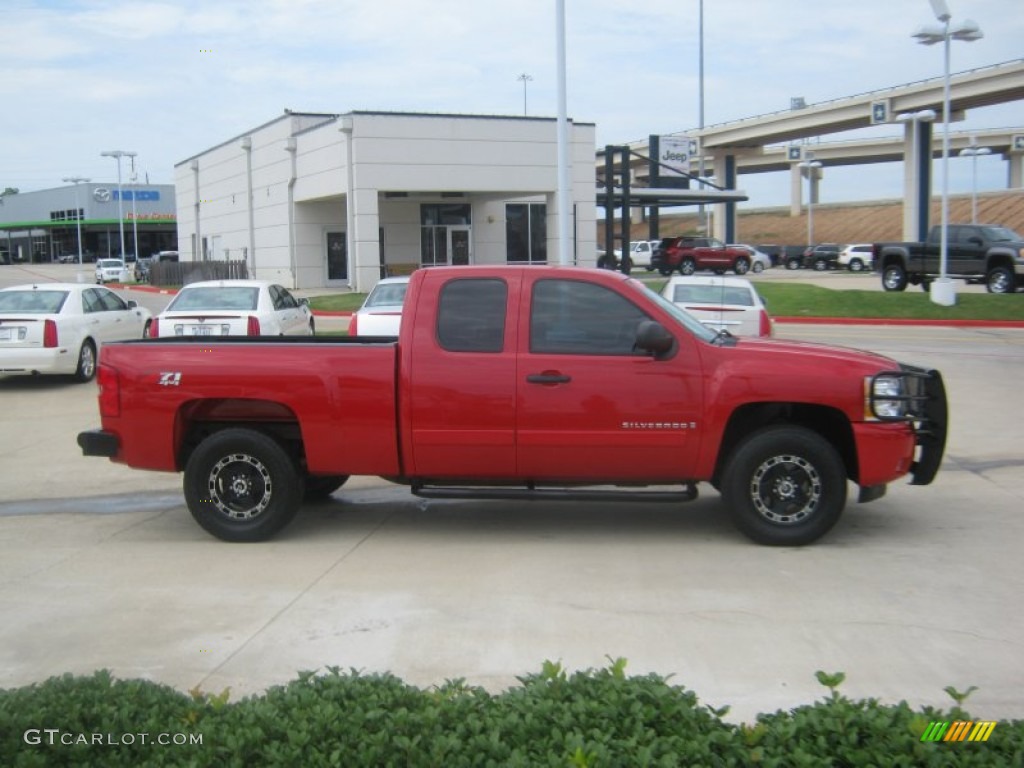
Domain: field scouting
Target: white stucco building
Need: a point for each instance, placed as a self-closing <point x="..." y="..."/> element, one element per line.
<point x="314" y="200"/>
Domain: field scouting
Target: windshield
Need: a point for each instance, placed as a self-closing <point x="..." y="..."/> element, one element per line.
<point x="684" y="318"/>
<point x="215" y="297"/>
<point x="32" y="302"/>
<point x="1001" y="235"/>
<point x="387" y="295"/>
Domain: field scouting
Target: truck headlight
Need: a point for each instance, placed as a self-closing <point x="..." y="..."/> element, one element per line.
<point x="885" y="397"/>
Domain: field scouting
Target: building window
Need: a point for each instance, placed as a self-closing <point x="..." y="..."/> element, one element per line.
<point x="526" y="232"/>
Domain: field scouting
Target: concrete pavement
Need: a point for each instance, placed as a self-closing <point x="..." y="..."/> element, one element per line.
<point x="101" y="566"/>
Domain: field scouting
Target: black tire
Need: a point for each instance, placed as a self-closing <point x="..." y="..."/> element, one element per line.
<point x="86" y="368"/>
<point x="312" y="327"/>
<point x="757" y="268"/>
<point x="856" y="265"/>
<point x="687" y="266"/>
<point x="792" y="263"/>
<point x="147" y="328"/>
<point x="785" y="486"/>
<point x="664" y="271"/>
<point x="242" y="486"/>
<point x="894" y="278"/>
<point x="820" y="265"/>
<point x="742" y="266"/>
<point x="1001" y="280"/>
<point x="319" y="487"/>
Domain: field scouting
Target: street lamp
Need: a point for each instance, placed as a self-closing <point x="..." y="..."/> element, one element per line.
<point x="811" y="166"/>
<point x="942" y="290"/>
<point x="918" y="195"/>
<point x="117" y="154"/>
<point x="524" y="79"/>
<point x="76" y="180"/>
<point x="972" y="152"/>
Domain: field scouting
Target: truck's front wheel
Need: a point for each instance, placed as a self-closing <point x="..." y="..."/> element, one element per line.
<point x="894" y="278"/>
<point x="242" y="486"/>
<point x="785" y="486"/>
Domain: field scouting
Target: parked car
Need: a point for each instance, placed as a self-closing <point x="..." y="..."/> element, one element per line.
<point x="143" y="266"/>
<point x="59" y="328"/>
<point x="381" y="313"/>
<point x="821" y="257"/>
<point x="759" y="260"/>
<point x="856" y="257"/>
<point x="721" y="303"/>
<point x="688" y="254"/>
<point x="111" y="271"/>
<point x="640" y="253"/>
<point x="234" y="308"/>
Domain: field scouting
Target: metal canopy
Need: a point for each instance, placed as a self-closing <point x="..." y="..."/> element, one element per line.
<point x="667" y="196"/>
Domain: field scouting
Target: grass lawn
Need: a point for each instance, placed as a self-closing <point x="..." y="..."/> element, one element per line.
<point x="802" y="300"/>
<point x="794" y="300"/>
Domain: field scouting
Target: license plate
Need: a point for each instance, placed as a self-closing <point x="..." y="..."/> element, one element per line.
<point x="202" y="330"/>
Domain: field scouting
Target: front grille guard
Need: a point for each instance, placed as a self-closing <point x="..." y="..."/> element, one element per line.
<point x="927" y="411"/>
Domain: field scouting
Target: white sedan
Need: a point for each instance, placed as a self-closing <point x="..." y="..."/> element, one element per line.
<point x="60" y="327"/>
<point x="381" y="313"/>
<point x="234" y="308"/>
<point x="721" y="303"/>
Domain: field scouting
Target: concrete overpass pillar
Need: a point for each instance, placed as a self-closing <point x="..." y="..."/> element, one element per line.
<point x="723" y="223"/>
<point x="1015" y="170"/>
<point x="917" y="178"/>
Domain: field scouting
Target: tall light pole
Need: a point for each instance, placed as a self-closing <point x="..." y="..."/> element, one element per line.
<point x="117" y="154"/>
<point x="702" y="214"/>
<point x="972" y="152"/>
<point x="76" y="180"/>
<point x="917" y="195"/>
<point x="811" y="166"/>
<point x="135" y="218"/>
<point x="524" y="79"/>
<point x="942" y="290"/>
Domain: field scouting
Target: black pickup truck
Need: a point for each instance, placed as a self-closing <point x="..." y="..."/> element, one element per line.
<point x="974" y="252"/>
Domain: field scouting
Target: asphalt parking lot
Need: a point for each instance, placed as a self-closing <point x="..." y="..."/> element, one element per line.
<point x="101" y="566"/>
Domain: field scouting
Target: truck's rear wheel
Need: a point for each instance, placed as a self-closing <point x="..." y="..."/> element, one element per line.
<point x="242" y="486"/>
<point x="894" y="278"/>
<point x="785" y="486"/>
<point x="1001" y="280"/>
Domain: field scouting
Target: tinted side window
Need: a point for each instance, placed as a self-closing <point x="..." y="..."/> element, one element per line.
<point x="471" y="315"/>
<point x="91" y="301"/>
<point x="111" y="301"/>
<point x="574" y="318"/>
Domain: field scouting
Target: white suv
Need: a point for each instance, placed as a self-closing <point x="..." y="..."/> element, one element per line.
<point x="111" y="271"/>
<point x="856" y="257"/>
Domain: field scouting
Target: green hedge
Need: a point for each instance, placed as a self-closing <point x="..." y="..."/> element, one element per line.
<point x="590" y="718"/>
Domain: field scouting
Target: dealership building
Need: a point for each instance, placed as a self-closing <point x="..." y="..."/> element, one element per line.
<point x="315" y="200"/>
<point x="45" y="225"/>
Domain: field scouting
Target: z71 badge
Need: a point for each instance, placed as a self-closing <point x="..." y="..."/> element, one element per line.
<point x="170" y="379"/>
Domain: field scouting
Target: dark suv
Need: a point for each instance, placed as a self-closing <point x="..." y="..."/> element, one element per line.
<point x="822" y="257"/>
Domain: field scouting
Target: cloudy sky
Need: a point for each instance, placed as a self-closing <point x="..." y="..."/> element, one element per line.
<point x="170" y="78"/>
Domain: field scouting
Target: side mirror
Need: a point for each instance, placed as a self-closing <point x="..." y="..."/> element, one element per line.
<point x="654" y="338"/>
<point x="132" y="304"/>
<point x="304" y="302"/>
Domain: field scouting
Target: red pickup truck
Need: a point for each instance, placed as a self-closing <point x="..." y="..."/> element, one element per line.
<point x="522" y="382"/>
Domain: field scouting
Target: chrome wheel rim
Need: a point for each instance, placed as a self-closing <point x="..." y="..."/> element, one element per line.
<point x="786" y="489"/>
<point x="240" y="486"/>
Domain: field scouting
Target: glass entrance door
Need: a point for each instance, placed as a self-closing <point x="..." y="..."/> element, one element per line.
<point x="459" y="245"/>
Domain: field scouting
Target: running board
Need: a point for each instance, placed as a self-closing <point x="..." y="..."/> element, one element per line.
<point x="552" y="494"/>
